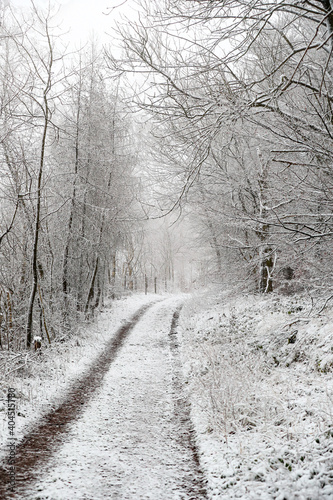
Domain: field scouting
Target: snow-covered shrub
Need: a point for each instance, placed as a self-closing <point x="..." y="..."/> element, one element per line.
<point x="259" y="373"/>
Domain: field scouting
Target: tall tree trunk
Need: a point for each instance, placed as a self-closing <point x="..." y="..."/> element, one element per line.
<point x="65" y="285"/>
<point x="46" y="111"/>
<point x="266" y="261"/>
<point x="266" y="269"/>
<point x="213" y="241"/>
<point x="91" y="287"/>
<point x="29" y="328"/>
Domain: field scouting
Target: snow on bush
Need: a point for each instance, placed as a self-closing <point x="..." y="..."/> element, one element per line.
<point x="259" y="372"/>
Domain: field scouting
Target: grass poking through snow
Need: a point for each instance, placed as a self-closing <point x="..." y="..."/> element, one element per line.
<point x="260" y="377"/>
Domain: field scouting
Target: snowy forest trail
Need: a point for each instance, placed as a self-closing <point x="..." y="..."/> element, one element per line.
<point x="124" y="430"/>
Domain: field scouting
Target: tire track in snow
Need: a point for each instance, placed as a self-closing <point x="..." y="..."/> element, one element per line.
<point x="183" y="413"/>
<point x="38" y="446"/>
<point x="132" y="439"/>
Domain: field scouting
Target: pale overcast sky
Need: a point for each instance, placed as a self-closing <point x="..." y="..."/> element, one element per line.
<point x="84" y="17"/>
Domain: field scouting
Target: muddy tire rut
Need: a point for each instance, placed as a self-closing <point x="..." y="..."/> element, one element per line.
<point x="40" y="447"/>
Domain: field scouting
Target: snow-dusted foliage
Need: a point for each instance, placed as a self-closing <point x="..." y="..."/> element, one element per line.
<point x="260" y="378"/>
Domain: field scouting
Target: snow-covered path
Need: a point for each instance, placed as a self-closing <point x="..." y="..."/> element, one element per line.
<point x="130" y="442"/>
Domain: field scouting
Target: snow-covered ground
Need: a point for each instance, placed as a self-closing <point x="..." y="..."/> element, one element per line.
<point x="41" y="381"/>
<point x="129" y="440"/>
<point x="259" y="373"/>
<point x="126" y="443"/>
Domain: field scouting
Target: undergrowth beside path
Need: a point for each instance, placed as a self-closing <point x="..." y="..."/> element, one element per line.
<point x="259" y="371"/>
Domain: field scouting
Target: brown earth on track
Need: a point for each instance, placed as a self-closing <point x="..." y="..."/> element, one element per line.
<point x="42" y="442"/>
<point x="197" y="487"/>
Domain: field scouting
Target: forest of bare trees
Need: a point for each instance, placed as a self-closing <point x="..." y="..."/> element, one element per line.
<point x="68" y="189"/>
<point x="241" y="98"/>
<point x="214" y="114"/>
